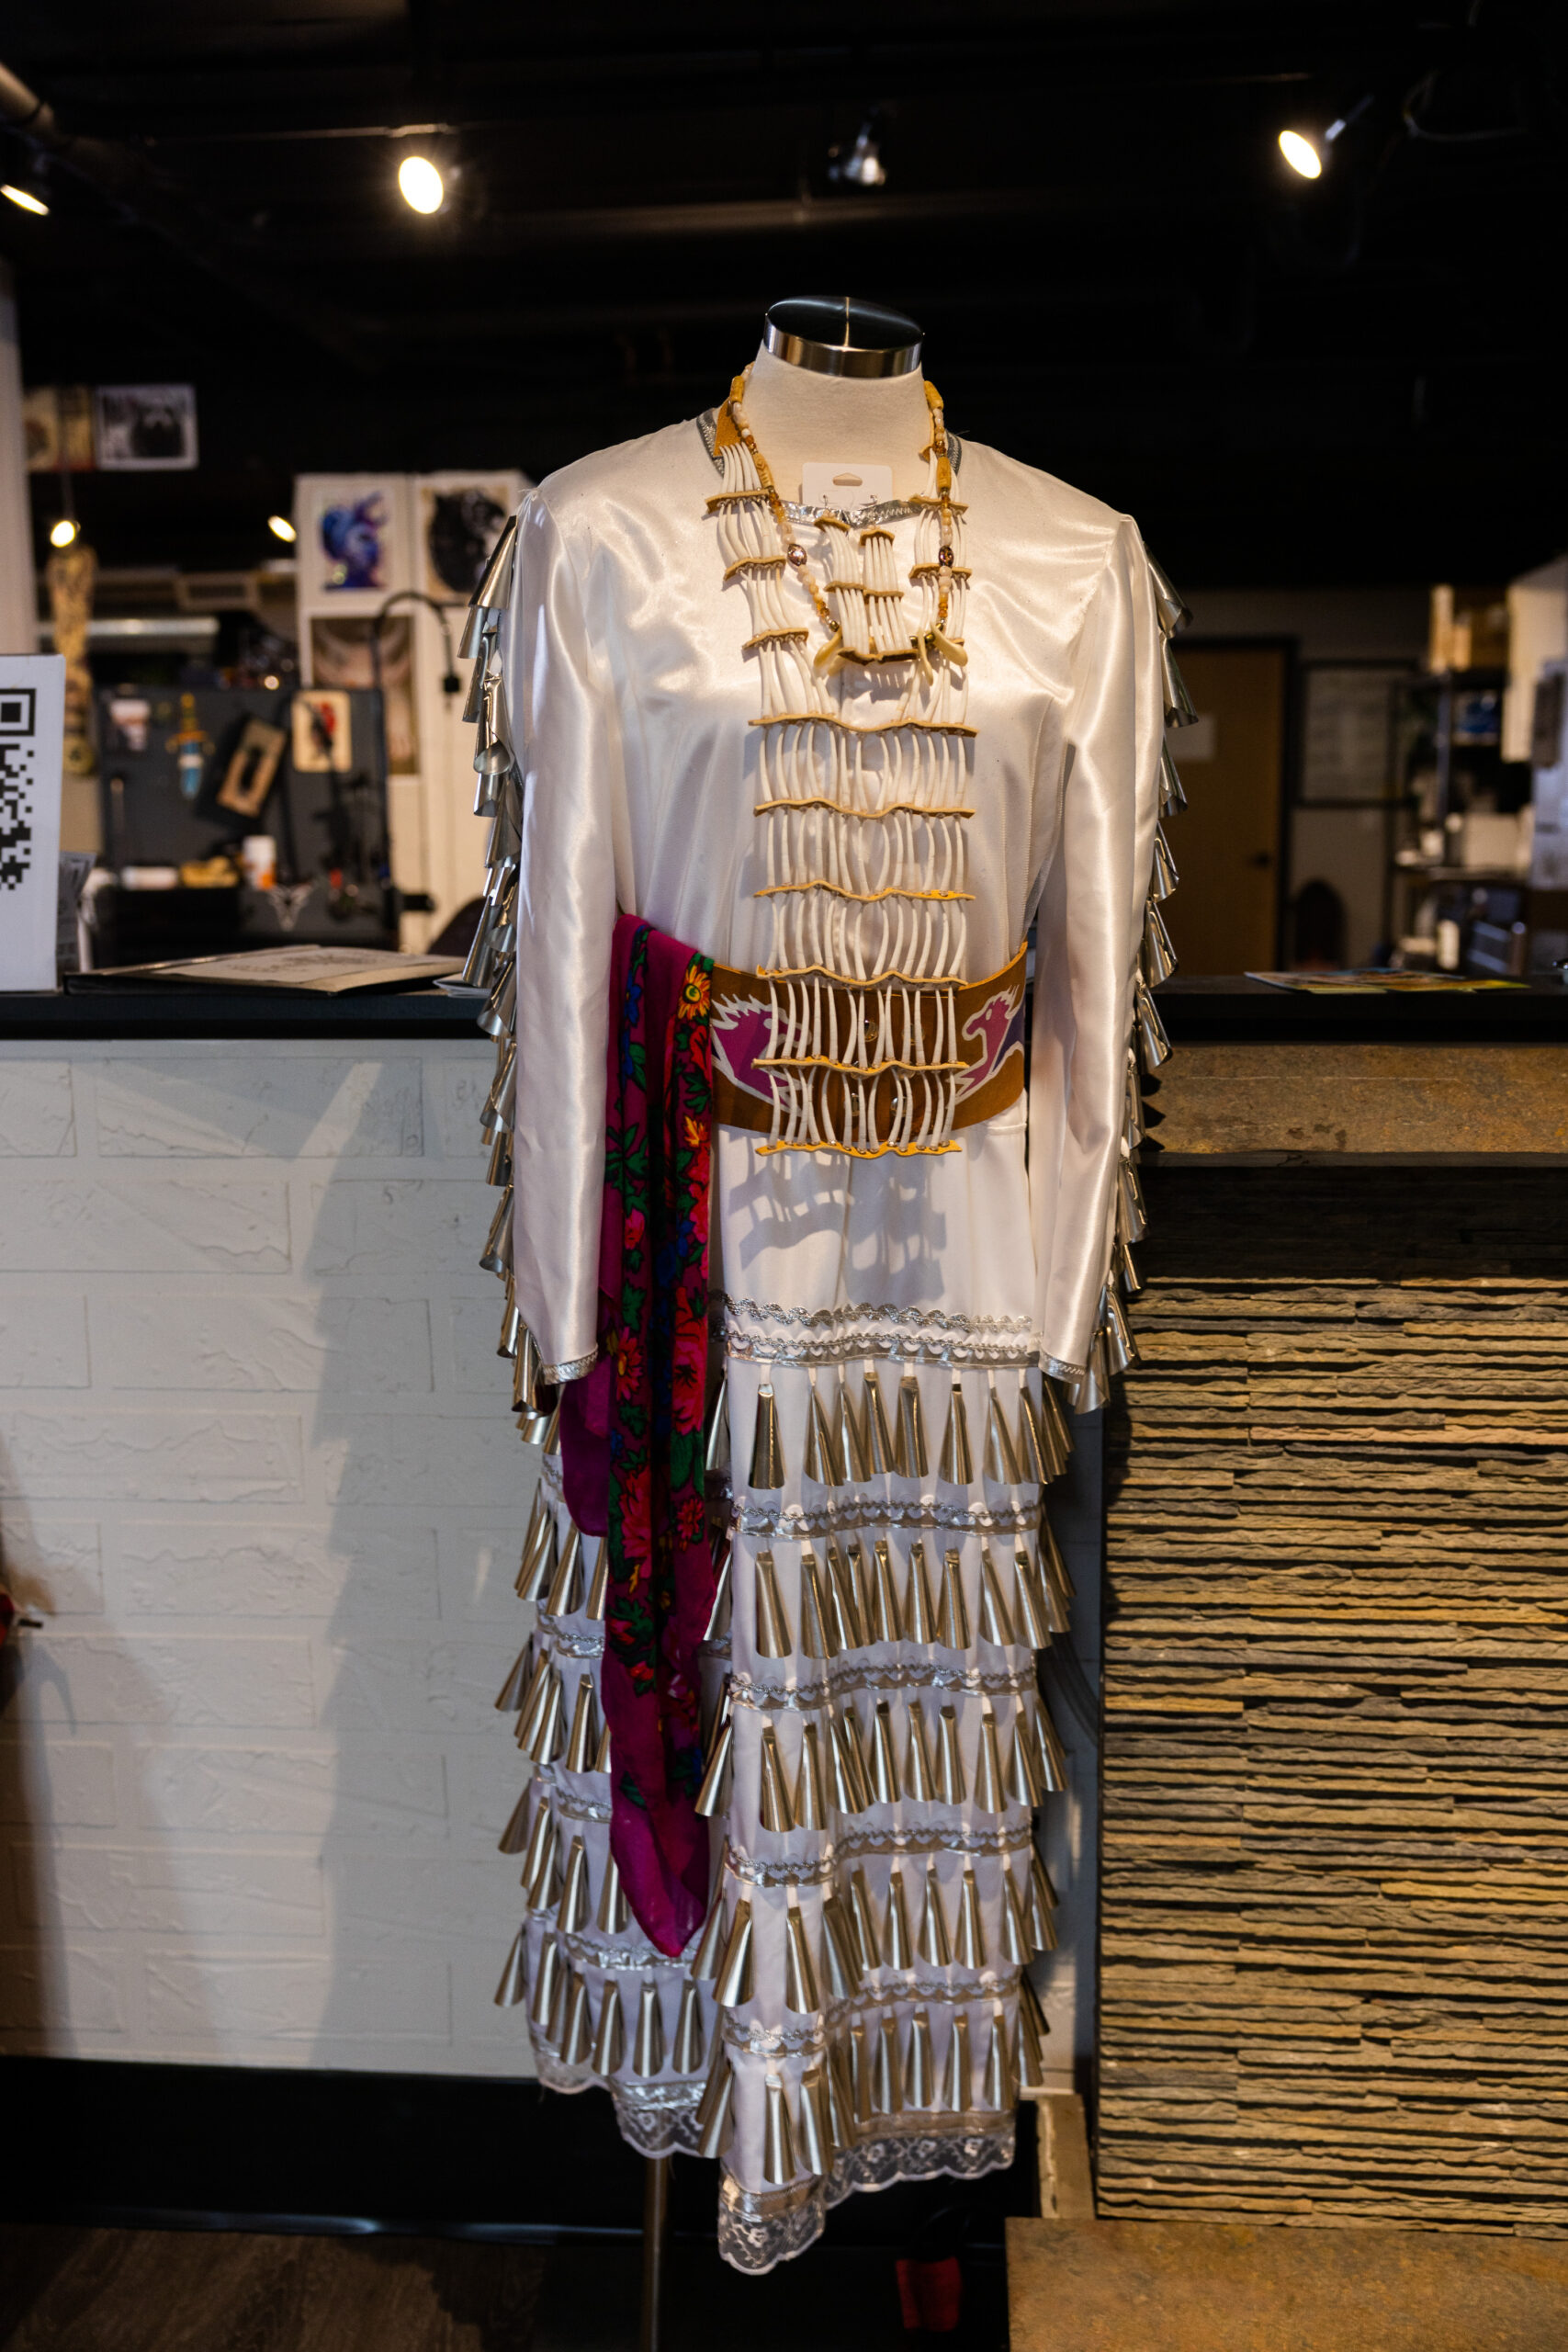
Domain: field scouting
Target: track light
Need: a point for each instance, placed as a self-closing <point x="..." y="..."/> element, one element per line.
<point x="63" y="532"/>
<point x="862" y="166"/>
<point x="421" y="185"/>
<point x="23" y="198"/>
<point x="282" y="528"/>
<point x="1307" y="152"/>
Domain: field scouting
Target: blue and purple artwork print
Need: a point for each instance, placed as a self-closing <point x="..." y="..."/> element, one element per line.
<point x="353" y="541"/>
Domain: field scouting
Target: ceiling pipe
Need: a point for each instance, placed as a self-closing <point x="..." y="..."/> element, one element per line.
<point x="119" y="173"/>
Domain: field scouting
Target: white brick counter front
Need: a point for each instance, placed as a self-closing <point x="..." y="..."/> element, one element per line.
<point x="259" y="1477"/>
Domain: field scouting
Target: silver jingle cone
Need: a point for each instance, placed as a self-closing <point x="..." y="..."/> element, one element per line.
<point x="970" y="1948"/>
<point x="733" y="1986"/>
<point x="815" y="1627"/>
<point x="1001" y="1461"/>
<point x="958" y="2073"/>
<point x="648" y="2050"/>
<point x="572" y="1912"/>
<point x="950" y="1781"/>
<point x="513" y="1976"/>
<point x="767" y="1446"/>
<point x="995" y="1626"/>
<point x="917" y="2071"/>
<point x="690" y="2043"/>
<point x="577" y="2038"/>
<point x="934" y="1945"/>
<point x="800" y="1977"/>
<point x="988" y="1794"/>
<point x="810" y="1806"/>
<point x="886" y="1616"/>
<point x="919" y="1782"/>
<point x="609" y="2042"/>
<point x="712" y="1795"/>
<point x="775" y="1811"/>
<point x="821" y="1455"/>
<point x="911" y="1458"/>
<point x="815" y="2150"/>
<point x="713" y="2110"/>
<point x="919" y="1611"/>
<point x="953" y="1625"/>
<point x="881" y="1454"/>
<point x="773" y="1636"/>
<point x="778" y="2140"/>
<point x="896" y="1938"/>
<point x="956" y="1463"/>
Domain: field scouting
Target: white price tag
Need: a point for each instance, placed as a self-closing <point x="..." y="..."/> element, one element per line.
<point x="844" y="484"/>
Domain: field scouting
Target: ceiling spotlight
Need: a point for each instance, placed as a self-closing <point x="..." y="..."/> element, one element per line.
<point x="63" y="534"/>
<point x="282" y="528"/>
<point x="862" y="166"/>
<point x="1308" y="151"/>
<point x="421" y="184"/>
<point x="23" y="198"/>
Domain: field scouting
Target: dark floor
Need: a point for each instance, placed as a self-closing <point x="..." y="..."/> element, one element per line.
<point x="66" y="2289"/>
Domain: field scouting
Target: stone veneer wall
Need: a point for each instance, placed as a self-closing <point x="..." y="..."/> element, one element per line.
<point x="1335" y="1916"/>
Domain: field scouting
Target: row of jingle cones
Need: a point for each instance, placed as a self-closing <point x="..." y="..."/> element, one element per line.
<point x="844" y="1448"/>
<point x="1036" y="1765"/>
<point x="856" y="1941"/>
<point x="547" y="1887"/>
<point x="861" y="2082"/>
<point x="560" y="2013"/>
<point x="856" y="1607"/>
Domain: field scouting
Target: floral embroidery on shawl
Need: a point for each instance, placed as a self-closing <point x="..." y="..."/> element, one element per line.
<point x="653" y="1311"/>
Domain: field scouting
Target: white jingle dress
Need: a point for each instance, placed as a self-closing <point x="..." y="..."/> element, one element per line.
<point x="657" y="736"/>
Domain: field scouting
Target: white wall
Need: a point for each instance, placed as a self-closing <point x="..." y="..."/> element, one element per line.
<point x="257" y="1470"/>
<point x="1329" y="624"/>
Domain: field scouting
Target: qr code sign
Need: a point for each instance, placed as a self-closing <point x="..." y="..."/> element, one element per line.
<point x="19" y="778"/>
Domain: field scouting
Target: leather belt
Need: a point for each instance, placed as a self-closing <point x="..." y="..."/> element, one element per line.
<point x="985" y="1019"/>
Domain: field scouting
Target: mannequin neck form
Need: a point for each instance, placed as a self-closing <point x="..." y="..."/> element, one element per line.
<point x="798" y="415"/>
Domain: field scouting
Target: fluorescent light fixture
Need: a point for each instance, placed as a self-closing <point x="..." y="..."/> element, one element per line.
<point x="421" y="184"/>
<point x="63" y="534"/>
<point x="23" y="198"/>
<point x="282" y="528"/>
<point x="1301" y="154"/>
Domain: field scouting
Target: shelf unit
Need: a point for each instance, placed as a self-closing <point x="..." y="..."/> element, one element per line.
<point x="1436" y="734"/>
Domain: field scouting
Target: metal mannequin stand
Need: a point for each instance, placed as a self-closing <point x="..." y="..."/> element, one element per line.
<point x="655" y="2243"/>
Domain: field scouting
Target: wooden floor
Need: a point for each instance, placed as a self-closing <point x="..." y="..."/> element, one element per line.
<point x="1210" y="2287"/>
<point x="174" y="2290"/>
<point x="231" y="2290"/>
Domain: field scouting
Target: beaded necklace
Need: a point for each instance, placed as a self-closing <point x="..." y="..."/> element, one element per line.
<point x="920" y="645"/>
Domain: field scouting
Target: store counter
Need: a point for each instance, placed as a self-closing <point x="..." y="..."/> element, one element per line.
<point x="259" y="1479"/>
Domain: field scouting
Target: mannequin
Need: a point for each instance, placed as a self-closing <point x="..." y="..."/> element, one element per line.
<point x="804" y="403"/>
<point x="778" y="790"/>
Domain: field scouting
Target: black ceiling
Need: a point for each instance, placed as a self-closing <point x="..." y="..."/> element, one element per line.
<point x="1351" y="380"/>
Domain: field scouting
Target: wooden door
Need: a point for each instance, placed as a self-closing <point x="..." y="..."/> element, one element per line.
<point x="1224" y="917"/>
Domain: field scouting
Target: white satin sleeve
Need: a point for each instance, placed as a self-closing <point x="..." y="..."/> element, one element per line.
<point x="568" y="738"/>
<point x="1089" y="930"/>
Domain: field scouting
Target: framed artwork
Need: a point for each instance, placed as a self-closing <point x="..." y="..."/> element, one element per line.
<point x="1347" y="729"/>
<point x="144" y="428"/>
<point x="342" y="655"/>
<point x="459" y="522"/>
<point x="350" y="545"/>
